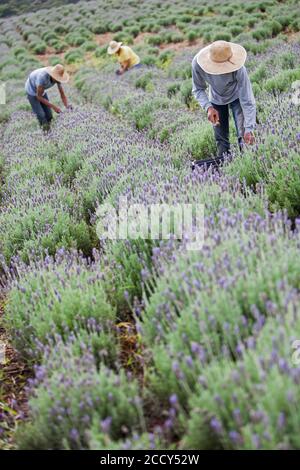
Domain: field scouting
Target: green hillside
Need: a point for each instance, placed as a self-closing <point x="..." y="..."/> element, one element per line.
<point x="17" y="7"/>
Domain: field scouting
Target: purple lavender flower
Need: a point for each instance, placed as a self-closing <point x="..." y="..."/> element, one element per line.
<point x="74" y="434"/>
<point x="173" y="400"/>
<point x="235" y="438"/>
<point x="106" y="424"/>
<point x="216" y="425"/>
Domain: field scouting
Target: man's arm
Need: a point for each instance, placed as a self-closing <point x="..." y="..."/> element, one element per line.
<point x="125" y="66"/>
<point x="39" y="95"/>
<point x="247" y="102"/>
<point x="199" y="92"/>
<point x="199" y="86"/>
<point x="62" y="95"/>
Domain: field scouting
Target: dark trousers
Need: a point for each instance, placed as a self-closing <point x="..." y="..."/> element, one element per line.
<point x="222" y="131"/>
<point x="42" y="112"/>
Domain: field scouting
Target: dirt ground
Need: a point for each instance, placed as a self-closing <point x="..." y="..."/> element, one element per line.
<point x="293" y="37"/>
<point x="179" y="46"/>
<point x="13" y="378"/>
<point x="103" y="39"/>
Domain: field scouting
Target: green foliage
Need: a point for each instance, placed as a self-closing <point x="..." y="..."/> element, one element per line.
<point x="19" y="51"/>
<point x="126" y="261"/>
<point x="261" y="33"/>
<point x="74" y="39"/>
<point x="133" y="31"/>
<point x="155" y="40"/>
<point x="250" y="7"/>
<point x="2" y="160"/>
<point x="89" y="46"/>
<point x="99" y="441"/>
<point x="4" y="115"/>
<point x="197" y="141"/>
<point x="99" y="28"/>
<point x="280" y="176"/>
<point x="115" y="27"/>
<point x="173" y="89"/>
<point x="186" y="18"/>
<point x="256" y="47"/>
<point x="192" y="35"/>
<point x="17" y="7"/>
<point x="258" y="422"/>
<point x="39" y="48"/>
<point x="49" y="36"/>
<point x="259" y="74"/>
<point x="282" y="81"/>
<point x="224" y="36"/>
<point x="207" y="37"/>
<point x="144" y="82"/>
<point x="284" y="20"/>
<point x="93" y="397"/>
<point x="296" y="25"/>
<point x="72" y="57"/>
<point x="235" y="30"/>
<point x="197" y="313"/>
<point x="59" y="46"/>
<point x="149" y="60"/>
<point x="283" y="186"/>
<point x="61" y="29"/>
<point x="143" y="116"/>
<point x="101" y="51"/>
<point x="123" y="37"/>
<point x="165" y="59"/>
<point x="175" y="38"/>
<point x="288" y="60"/>
<point x="183" y="341"/>
<point x="29" y="231"/>
<point x="274" y="26"/>
<point x="54" y="60"/>
<point x="54" y="302"/>
<point x="186" y="92"/>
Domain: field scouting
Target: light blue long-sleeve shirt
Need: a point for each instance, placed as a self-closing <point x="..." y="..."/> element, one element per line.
<point x="224" y="89"/>
<point x="38" y="77"/>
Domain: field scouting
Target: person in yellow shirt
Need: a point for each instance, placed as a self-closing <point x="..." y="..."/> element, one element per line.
<point x="125" y="55"/>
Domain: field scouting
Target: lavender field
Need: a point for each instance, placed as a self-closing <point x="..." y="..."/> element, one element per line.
<point x="143" y="344"/>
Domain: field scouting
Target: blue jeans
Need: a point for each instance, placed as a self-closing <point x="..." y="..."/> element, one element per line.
<point x="222" y="131"/>
<point x="42" y="112"/>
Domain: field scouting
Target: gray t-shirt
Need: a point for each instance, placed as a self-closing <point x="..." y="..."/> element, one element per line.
<point x="39" y="77"/>
<point x="224" y="89"/>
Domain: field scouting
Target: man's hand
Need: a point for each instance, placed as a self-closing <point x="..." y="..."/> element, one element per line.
<point x="249" y="138"/>
<point x="57" y="109"/>
<point x="213" y="116"/>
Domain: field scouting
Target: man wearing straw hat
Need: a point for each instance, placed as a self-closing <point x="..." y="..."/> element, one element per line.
<point x="125" y="55"/>
<point x="37" y="83"/>
<point x="221" y="66"/>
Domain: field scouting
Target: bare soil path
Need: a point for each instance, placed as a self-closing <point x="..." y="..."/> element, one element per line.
<point x="13" y="377"/>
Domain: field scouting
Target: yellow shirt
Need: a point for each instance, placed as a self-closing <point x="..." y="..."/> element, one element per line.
<point x="126" y="53"/>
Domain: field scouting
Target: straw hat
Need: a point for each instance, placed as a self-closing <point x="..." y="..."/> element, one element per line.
<point x="221" y="57"/>
<point x="113" y="47"/>
<point x="58" y="73"/>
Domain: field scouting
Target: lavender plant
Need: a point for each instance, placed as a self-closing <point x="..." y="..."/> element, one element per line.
<point x="70" y="397"/>
<point x="198" y="310"/>
<point x="214" y="329"/>
<point x="64" y="294"/>
<point x="252" y="404"/>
